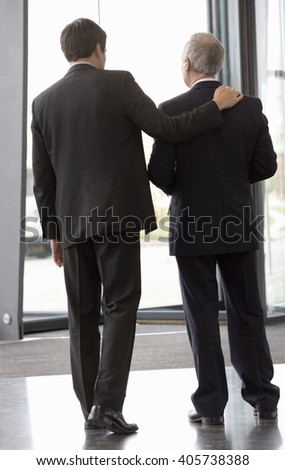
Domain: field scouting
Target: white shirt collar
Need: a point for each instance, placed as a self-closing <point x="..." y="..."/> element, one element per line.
<point x="80" y="62"/>
<point x="204" y="80"/>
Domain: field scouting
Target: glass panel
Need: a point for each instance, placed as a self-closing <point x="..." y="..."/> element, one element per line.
<point x="44" y="289"/>
<point x="145" y="37"/>
<point x="271" y="72"/>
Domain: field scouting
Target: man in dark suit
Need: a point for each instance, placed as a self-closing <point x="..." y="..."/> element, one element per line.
<point x="212" y="223"/>
<point x="92" y="191"/>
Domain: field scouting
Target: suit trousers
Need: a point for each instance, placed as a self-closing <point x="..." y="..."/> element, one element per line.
<point x="103" y="272"/>
<point x="250" y="354"/>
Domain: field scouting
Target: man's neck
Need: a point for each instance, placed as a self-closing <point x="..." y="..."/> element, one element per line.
<point x="78" y="62"/>
<point x="205" y="79"/>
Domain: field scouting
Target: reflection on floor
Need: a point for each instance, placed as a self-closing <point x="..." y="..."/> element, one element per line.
<point x="42" y="413"/>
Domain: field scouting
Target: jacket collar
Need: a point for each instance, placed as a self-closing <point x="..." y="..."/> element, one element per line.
<point x="82" y="66"/>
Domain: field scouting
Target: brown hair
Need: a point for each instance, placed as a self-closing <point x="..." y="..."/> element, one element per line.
<point x="80" y="38"/>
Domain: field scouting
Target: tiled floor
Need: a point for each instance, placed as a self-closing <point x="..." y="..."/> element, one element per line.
<point x="42" y="413"/>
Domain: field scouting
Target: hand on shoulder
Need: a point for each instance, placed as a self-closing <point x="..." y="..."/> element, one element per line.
<point x="227" y="97"/>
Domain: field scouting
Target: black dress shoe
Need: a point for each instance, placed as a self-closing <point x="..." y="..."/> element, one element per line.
<point x="105" y="418"/>
<point x="194" y="417"/>
<point x="266" y="414"/>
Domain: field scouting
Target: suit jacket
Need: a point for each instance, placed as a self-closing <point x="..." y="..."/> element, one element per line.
<point x="90" y="175"/>
<point x="210" y="177"/>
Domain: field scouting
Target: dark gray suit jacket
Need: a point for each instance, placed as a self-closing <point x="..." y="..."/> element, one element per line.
<point x="210" y="177"/>
<point x="89" y="167"/>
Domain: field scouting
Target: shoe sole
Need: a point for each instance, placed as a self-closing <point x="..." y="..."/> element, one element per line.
<point x="109" y="425"/>
<point x="208" y="420"/>
<point x="266" y="414"/>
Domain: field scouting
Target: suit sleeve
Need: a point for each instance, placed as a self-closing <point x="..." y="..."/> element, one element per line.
<point x="44" y="184"/>
<point x="143" y="112"/>
<point x="264" y="160"/>
<point x="162" y="166"/>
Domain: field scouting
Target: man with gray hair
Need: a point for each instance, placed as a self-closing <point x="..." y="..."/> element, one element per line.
<point x="212" y="223"/>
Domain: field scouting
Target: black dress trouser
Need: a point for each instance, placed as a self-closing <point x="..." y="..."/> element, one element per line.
<point x="250" y="354"/>
<point x="102" y="271"/>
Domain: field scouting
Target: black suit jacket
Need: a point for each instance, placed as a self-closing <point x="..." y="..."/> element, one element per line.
<point x="89" y="168"/>
<point x="210" y="176"/>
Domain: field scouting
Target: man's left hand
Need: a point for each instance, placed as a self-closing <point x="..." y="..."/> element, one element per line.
<point x="57" y="252"/>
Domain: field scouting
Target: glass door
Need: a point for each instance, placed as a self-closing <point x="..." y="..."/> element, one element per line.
<point x="270" y="20"/>
<point x="145" y="37"/>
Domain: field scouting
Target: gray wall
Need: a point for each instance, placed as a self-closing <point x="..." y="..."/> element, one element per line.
<point x="13" y="42"/>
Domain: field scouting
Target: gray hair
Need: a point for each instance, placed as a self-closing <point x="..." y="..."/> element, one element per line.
<point x="205" y="53"/>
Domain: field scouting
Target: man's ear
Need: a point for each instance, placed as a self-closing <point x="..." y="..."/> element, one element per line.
<point x="186" y="64"/>
<point x="98" y="49"/>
